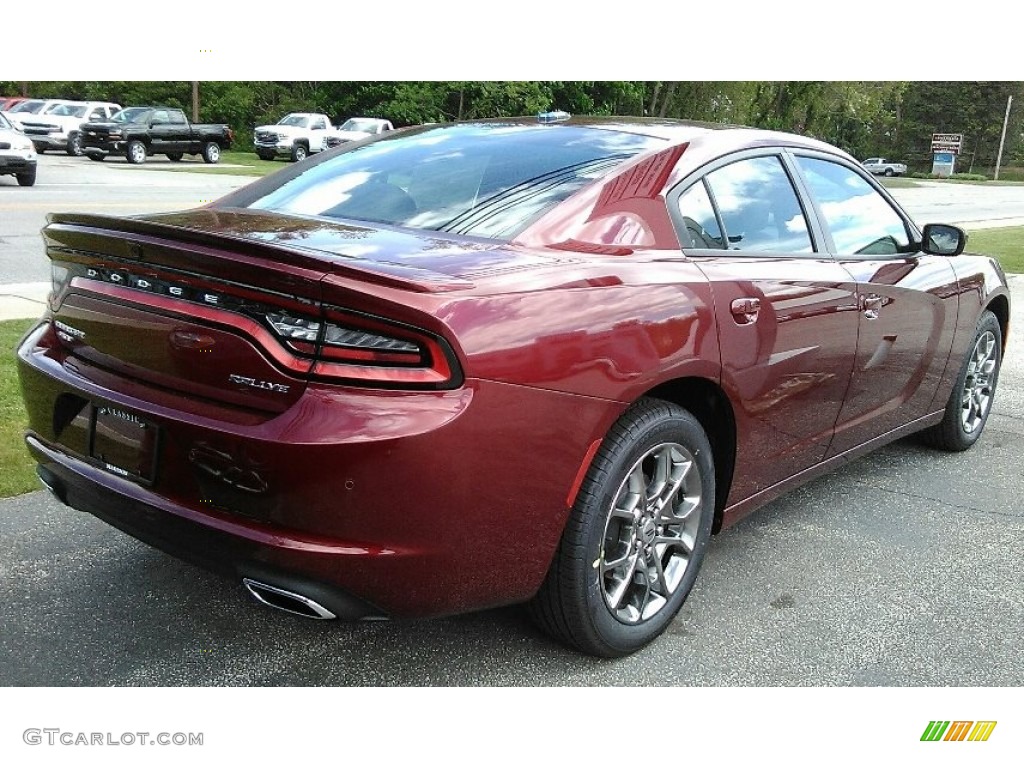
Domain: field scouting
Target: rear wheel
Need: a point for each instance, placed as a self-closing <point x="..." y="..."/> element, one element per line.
<point x="135" y="152"/>
<point x="211" y="152"/>
<point x="27" y="179"/>
<point x="636" y="535"/>
<point x="970" y="402"/>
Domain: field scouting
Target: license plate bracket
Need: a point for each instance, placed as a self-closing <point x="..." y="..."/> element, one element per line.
<point x="124" y="443"/>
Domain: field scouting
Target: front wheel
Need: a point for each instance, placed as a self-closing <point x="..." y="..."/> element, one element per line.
<point x="27" y="179"/>
<point x="211" y="152"/>
<point x="970" y="402"/>
<point x="636" y="535"/>
<point x="135" y="152"/>
<point x="75" y="145"/>
<point x="890" y="172"/>
<point x="299" y="152"/>
<point x="265" y="155"/>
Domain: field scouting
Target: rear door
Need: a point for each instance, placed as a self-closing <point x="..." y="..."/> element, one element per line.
<point x="907" y="302"/>
<point x="786" y="313"/>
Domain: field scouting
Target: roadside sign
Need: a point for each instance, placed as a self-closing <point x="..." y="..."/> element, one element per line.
<point x="947" y="142"/>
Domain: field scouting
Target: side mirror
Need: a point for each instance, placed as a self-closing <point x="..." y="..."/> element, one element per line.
<point x="943" y="240"/>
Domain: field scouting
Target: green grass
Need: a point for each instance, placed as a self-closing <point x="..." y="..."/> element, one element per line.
<point x="251" y="165"/>
<point x="897" y="181"/>
<point x="17" y="469"/>
<point x="1006" y="244"/>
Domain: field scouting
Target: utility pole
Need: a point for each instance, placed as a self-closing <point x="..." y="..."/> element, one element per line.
<point x="195" y="101"/>
<point x="1002" y="139"/>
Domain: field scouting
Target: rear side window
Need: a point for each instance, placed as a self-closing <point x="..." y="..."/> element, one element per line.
<point x="759" y="207"/>
<point x="861" y="221"/>
<point x="699" y="218"/>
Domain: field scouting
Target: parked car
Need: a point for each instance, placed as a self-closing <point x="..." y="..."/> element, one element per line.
<point x="138" y="132"/>
<point x="463" y="366"/>
<point x="61" y="127"/>
<point x="30" y="108"/>
<point x="296" y="135"/>
<point x="882" y="167"/>
<point x="357" y="129"/>
<point x="8" y="102"/>
<point x="17" y="155"/>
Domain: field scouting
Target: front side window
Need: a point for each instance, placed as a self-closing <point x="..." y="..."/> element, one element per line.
<point x="861" y="221"/>
<point x="759" y="207"/>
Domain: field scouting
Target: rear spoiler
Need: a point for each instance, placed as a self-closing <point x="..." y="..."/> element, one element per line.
<point x="139" y="232"/>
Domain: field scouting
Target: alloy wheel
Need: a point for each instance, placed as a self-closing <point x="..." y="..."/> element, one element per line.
<point x="977" y="393"/>
<point x="650" y="533"/>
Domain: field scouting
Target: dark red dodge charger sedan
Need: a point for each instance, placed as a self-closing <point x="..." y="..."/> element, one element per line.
<point x="470" y="365"/>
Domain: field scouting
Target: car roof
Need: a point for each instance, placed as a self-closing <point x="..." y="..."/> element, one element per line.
<point x="715" y="138"/>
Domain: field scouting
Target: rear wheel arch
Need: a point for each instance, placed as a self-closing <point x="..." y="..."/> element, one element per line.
<point x="709" y="404"/>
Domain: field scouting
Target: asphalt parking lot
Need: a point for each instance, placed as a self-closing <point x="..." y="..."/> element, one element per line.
<point x="901" y="569"/>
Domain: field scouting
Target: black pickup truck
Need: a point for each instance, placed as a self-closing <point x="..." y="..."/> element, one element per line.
<point x="137" y="132"/>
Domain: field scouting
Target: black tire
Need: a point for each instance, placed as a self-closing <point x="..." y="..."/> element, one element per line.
<point x="27" y="179"/>
<point x="890" y="172"/>
<point x="609" y="610"/>
<point x="135" y="152"/>
<point x="299" y="152"/>
<point x="98" y="157"/>
<point x="211" y="152"/>
<point x="264" y="155"/>
<point x="39" y="148"/>
<point x="175" y="157"/>
<point x="970" y="402"/>
<point x="75" y="145"/>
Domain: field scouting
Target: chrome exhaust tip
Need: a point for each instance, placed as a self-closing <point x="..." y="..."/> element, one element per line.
<point x="284" y="600"/>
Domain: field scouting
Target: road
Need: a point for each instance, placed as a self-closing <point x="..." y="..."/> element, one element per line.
<point x="901" y="569"/>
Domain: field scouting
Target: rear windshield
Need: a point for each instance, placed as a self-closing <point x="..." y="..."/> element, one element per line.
<point x="485" y="180"/>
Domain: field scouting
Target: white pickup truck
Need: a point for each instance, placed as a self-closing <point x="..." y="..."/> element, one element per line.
<point x="296" y="135"/>
<point x="882" y="167"/>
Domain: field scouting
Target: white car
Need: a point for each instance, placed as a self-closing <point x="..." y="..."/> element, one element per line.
<point x="297" y="135"/>
<point x="17" y="155"/>
<point x="59" y="127"/>
<point x="358" y="128"/>
<point x="31" y="109"/>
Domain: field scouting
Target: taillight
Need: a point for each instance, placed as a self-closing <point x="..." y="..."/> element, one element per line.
<point x="364" y="349"/>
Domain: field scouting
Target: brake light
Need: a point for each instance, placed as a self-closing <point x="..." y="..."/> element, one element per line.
<point x="364" y="349"/>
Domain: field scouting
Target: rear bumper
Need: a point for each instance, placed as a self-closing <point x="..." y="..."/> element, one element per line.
<point x="300" y="565"/>
<point x="382" y="502"/>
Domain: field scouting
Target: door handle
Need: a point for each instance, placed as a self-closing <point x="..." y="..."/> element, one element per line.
<point x="872" y="305"/>
<point x="745" y="310"/>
